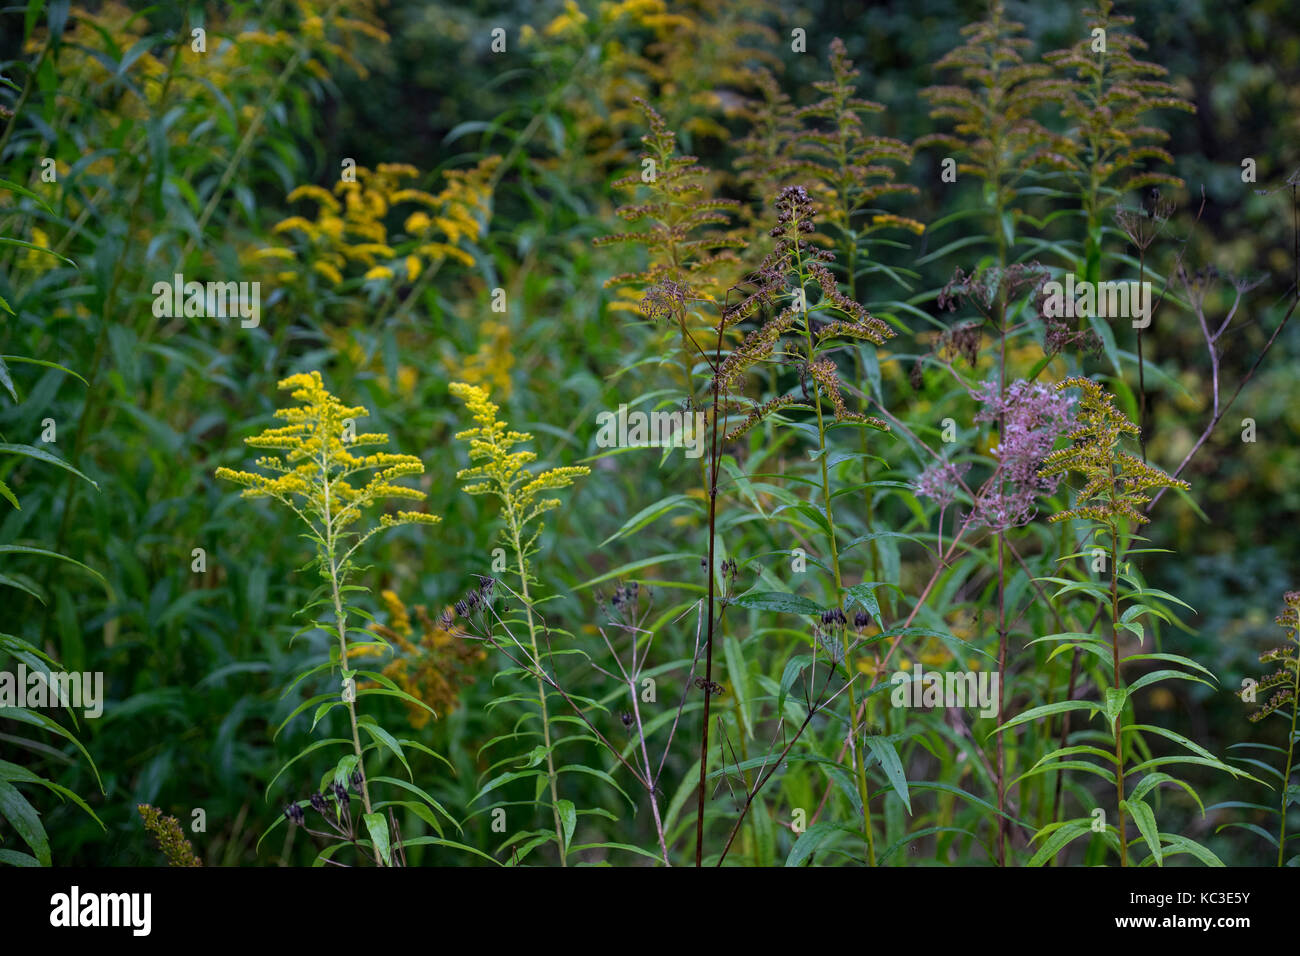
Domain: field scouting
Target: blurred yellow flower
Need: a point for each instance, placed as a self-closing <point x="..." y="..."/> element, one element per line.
<point x="434" y="667"/>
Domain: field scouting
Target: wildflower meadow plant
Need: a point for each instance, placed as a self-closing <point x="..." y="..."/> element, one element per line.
<point x="504" y="473"/>
<point x="957" y="567"/>
<point x="1277" y="693"/>
<point x="313" y="472"/>
<point x="1115" y="487"/>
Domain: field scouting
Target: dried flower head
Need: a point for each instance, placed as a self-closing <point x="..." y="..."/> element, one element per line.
<point x="995" y="132"/>
<point x="990" y="288"/>
<point x="795" y="267"/>
<point x="1143" y="226"/>
<point x="170" y="837"/>
<point x="1105" y="99"/>
<point x="433" y="666"/>
<point x="1286" y="679"/>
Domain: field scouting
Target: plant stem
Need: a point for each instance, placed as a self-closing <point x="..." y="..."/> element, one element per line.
<point x="1290" y="758"/>
<point x="855" y="753"/>
<point x="708" y="640"/>
<point x="649" y="770"/>
<point x="340" y="616"/>
<point x="1119" y="717"/>
<point x="1002" y="698"/>
<point x="517" y="540"/>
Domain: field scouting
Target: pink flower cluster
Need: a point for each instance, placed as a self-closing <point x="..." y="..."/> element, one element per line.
<point x="939" y="482"/>
<point x="1033" y="416"/>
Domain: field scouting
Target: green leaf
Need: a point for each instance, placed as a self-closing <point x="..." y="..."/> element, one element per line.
<point x="1181" y="844"/>
<point x="778" y="601"/>
<point x="502" y="779"/>
<point x="1116" y="697"/>
<point x="378" y="828"/>
<point x="386" y="739"/>
<point x="1173" y="659"/>
<point x="22" y="816"/>
<point x="24" y="191"/>
<point x="23" y="549"/>
<point x="811" y="840"/>
<point x="1047" y="710"/>
<point x="1146" y="824"/>
<point x="35" y="719"/>
<point x="5" y="379"/>
<point x="412" y="788"/>
<point x="1152" y="780"/>
<point x="9" y="496"/>
<point x="1156" y="676"/>
<point x="399" y="694"/>
<point x="1063" y="835"/>
<point x="1174" y="736"/>
<point x="13" y="772"/>
<point x="1252" y="827"/>
<point x="568" y="821"/>
<point x="22" y="359"/>
<point x="5" y="240"/>
<point x="739" y="674"/>
<point x="793" y="668"/>
<point x="865" y="595"/>
<point x="317" y="745"/>
<point x="650" y="513"/>
<point x="887" y="754"/>
<point x="925" y="832"/>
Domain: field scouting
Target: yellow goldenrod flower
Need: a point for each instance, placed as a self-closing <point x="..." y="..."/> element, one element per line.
<point x="902" y="222"/>
<point x="312" y="473"/>
<point x="417" y="223"/>
<point x="504" y="473"/>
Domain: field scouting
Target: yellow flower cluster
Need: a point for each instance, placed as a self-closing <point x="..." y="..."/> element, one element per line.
<point x="491" y="364"/>
<point x="638" y="13"/>
<point x="316" y="460"/>
<point x="1115" y="479"/>
<point x="35" y="261"/>
<point x="95" y="38"/>
<point x="885" y="220"/>
<point x="349" y="227"/>
<point x="434" y="667"/>
<point x="502" y="472"/>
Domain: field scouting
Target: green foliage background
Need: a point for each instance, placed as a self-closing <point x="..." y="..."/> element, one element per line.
<point x="195" y="663"/>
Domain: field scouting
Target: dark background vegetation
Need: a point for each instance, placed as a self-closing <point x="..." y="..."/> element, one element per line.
<point x="195" y="668"/>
